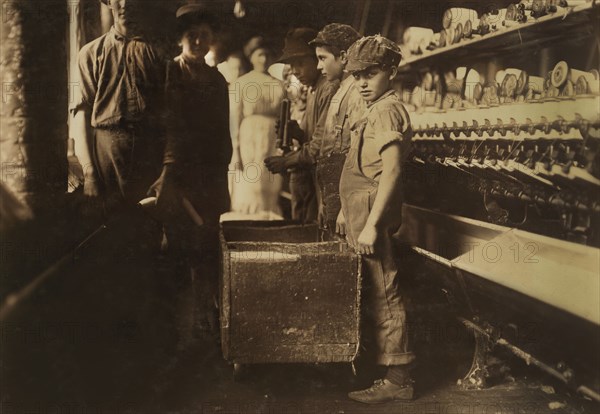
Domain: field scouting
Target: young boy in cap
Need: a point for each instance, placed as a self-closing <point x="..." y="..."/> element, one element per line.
<point x="329" y="144"/>
<point x="370" y="191"/>
<point x="301" y="57"/>
<point x="192" y="190"/>
<point x="122" y="80"/>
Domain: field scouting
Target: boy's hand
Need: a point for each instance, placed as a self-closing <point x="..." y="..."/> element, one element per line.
<point x="90" y="185"/>
<point x="321" y="217"/>
<point x="164" y="191"/>
<point x="366" y="240"/>
<point x="276" y="164"/>
<point x="340" y="224"/>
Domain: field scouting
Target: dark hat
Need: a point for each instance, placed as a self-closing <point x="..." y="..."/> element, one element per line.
<point x="296" y="44"/>
<point x="373" y="50"/>
<point x="257" y="42"/>
<point x="195" y="13"/>
<point x="338" y="35"/>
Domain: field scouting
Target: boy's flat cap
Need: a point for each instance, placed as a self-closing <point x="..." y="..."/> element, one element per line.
<point x="338" y="35"/>
<point x="373" y="50"/>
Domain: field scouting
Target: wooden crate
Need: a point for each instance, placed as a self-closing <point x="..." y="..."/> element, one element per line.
<point x="285" y="297"/>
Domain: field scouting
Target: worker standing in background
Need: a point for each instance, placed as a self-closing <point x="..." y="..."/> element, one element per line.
<point x="296" y="92"/>
<point x="371" y="195"/>
<point x="301" y="57"/>
<point x="256" y="98"/>
<point x="122" y="82"/>
<point x="329" y="145"/>
<point x="192" y="190"/>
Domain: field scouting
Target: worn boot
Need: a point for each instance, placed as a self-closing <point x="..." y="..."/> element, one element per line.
<point x="383" y="391"/>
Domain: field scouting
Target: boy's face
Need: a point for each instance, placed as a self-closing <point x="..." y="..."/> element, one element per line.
<point x="331" y="67"/>
<point x="305" y="69"/>
<point x="196" y="41"/>
<point x="373" y="82"/>
<point x="123" y="12"/>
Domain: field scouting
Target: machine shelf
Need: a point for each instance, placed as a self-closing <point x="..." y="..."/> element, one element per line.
<point x="544" y="30"/>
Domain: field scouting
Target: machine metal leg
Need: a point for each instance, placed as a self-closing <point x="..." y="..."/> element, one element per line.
<point x="478" y="374"/>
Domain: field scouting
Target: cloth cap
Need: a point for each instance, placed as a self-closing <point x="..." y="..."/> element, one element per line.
<point x="296" y="44"/>
<point x="257" y="42"/>
<point x="338" y="35"/>
<point x="373" y="50"/>
<point x="195" y="13"/>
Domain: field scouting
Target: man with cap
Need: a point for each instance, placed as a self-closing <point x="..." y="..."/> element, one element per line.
<point x="371" y="196"/>
<point x="192" y="190"/>
<point x="329" y="145"/>
<point x="122" y="80"/>
<point x="301" y="57"/>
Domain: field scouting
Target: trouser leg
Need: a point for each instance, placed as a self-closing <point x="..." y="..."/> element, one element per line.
<point x="127" y="161"/>
<point x="304" y="200"/>
<point x="385" y="307"/>
<point x="205" y="276"/>
<point x="179" y="295"/>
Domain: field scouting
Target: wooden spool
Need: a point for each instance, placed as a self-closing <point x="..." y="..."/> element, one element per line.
<point x="470" y="85"/>
<point x="568" y="89"/>
<point x="458" y="15"/>
<point x="458" y="33"/>
<point x="477" y="92"/>
<point x="468" y="29"/>
<point x="509" y="86"/>
<point x="490" y="94"/>
<point x="415" y="37"/>
<point x="590" y="77"/>
<point x="450" y="33"/>
<point x="581" y="86"/>
<point x="559" y="74"/>
<point x="522" y="83"/>
<point x="536" y="84"/>
<point x="453" y="84"/>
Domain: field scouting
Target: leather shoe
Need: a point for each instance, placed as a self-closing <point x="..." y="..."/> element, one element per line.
<point x="383" y="391"/>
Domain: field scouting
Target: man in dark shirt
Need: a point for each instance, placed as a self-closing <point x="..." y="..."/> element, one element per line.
<point x="192" y="189"/>
<point x="122" y="81"/>
<point x="303" y="61"/>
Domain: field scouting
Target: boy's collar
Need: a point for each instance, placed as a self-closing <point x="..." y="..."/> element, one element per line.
<point x="192" y="62"/>
<point x="346" y="83"/>
<point x="383" y="96"/>
<point x="313" y="87"/>
<point x="119" y="36"/>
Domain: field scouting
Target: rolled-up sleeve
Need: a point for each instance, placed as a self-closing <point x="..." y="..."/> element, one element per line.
<point x="85" y="94"/>
<point x="388" y="125"/>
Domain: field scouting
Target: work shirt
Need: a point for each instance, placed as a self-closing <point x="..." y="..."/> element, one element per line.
<point x="317" y="103"/>
<point x="197" y="115"/>
<point x="384" y="121"/>
<point x="302" y="185"/>
<point x="122" y="80"/>
<point x="346" y="105"/>
<point x="198" y="140"/>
